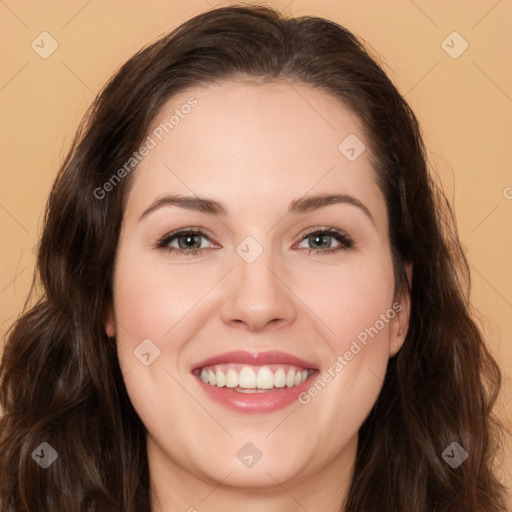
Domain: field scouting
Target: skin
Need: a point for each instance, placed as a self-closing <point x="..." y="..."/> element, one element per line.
<point x="240" y="145"/>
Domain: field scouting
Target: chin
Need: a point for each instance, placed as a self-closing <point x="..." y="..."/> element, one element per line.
<point x="263" y="475"/>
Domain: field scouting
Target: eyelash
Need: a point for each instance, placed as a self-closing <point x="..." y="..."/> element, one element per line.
<point x="346" y="242"/>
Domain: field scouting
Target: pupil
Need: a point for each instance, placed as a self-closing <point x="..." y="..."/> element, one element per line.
<point x="320" y="237"/>
<point x="189" y="241"/>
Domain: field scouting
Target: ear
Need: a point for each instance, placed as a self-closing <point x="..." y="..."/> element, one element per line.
<point x="400" y="324"/>
<point x="110" y="322"/>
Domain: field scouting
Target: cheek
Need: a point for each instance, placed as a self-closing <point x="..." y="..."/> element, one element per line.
<point x="152" y="300"/>
<point x="358" y="309"/>
<point x="361" y="304"/>
<point x="351" y="300"/>
<point x="159" y="304"/>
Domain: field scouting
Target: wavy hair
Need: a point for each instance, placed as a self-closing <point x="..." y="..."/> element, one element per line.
<point x="60" y="378"/>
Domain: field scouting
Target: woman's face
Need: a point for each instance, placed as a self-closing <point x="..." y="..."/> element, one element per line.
<point x="268" y="282"/>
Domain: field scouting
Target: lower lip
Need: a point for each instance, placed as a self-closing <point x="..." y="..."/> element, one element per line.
<point x="255" y="403"/>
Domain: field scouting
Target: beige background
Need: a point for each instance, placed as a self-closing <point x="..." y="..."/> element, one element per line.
<point x="464" y="105"/>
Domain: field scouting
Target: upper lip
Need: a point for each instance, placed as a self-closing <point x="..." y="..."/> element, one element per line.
<point x="255" y="358"/>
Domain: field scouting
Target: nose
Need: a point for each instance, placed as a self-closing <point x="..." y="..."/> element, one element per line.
<point x="257" y="296"/>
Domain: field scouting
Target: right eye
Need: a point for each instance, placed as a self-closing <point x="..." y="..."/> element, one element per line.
<point x="187" y="242"/>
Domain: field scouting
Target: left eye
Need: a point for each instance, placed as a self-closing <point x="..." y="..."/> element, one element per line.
<point x="189" y="241"/>
<point x="320" y="236"/>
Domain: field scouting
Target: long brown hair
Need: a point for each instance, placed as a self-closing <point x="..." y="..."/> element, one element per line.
<point x="60" y="378"/>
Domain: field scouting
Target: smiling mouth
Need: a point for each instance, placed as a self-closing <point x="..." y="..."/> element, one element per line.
<point x="245" y="378"/>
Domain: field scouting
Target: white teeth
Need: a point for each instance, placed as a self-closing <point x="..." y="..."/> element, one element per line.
<point x="231" y="379"/>
<point x="221" y="379"/>
<point x="249" y="379"/>
<point x="265" y="379"/>
<point x="280" y="378"/>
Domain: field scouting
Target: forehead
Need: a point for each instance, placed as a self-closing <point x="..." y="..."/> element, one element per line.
<point x="254" y="146"/>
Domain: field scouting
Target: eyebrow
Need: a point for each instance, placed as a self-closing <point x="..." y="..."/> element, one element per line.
<point x="296" y="207"/>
